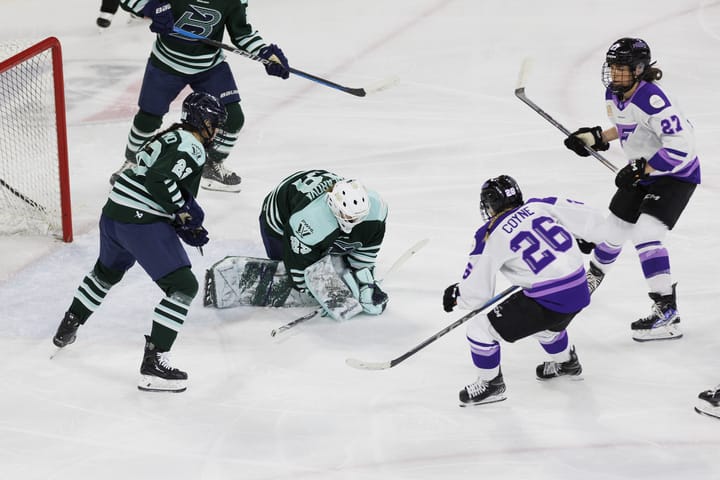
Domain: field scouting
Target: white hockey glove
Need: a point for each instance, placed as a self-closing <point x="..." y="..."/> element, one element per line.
<point x="364" y="287"/>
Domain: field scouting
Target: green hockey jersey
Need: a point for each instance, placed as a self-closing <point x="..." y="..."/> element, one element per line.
<point x="296" y="212"/>
<point x="209" y="18"/>
<point x="152" y="190"/>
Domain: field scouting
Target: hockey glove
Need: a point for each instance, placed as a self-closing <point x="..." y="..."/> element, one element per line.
<point x="364" y="287"/>
<point x="161" y="16"/>
<point x="450" y="297"/>
<point x="195" y="237"/>
<point x="631" y="174"/>
<point x="586" y="136"/>
<point x="278" y="65"/>
<point x="190" y="215"/>
<point x="585" y="246"/>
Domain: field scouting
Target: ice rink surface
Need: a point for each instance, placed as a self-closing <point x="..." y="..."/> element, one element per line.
<point x="289" y="408"/>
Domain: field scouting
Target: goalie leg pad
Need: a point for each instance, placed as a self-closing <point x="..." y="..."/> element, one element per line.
<point x="248" y="281"/>
<point x="330" y="291"/>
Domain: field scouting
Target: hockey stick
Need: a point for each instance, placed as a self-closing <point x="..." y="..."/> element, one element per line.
<point x="362" y="365"/>
<point x="400" y="261"/>
<point x="290" y="325"/>
<point x="520" y="93"/>
<point x="22" y="197"/>
<point x="358" y="92"/>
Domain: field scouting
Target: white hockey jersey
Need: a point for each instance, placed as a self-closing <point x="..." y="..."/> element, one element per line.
<point x="652" y="127"/>
<point x="534" y="247"/>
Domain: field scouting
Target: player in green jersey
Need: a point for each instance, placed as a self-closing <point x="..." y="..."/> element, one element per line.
<point x="176" y="62"/>
<point x="149" y="207"/>
<point x="315" y="213"/>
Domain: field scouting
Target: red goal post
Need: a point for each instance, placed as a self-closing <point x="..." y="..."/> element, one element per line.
<point x="34" y="174"/>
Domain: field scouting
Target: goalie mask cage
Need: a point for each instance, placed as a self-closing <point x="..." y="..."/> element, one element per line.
<point x="34" y="176"/>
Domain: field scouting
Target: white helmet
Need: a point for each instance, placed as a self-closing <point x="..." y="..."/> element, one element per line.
<point x="349" y="202"/>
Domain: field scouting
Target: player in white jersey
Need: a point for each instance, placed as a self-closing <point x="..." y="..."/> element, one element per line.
<point x="533" y="244"/>
<point x="655" y="186"/>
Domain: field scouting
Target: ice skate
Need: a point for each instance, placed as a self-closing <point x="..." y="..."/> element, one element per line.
<point x="552" y="369"/>
<point x="483" y="391"/>
<point x="594" y="277"/>
<point x="216" y="177"/>
<point x="709" y="403"/>
<point x="104" y="20"/>
<point x="663" y="323"/>
<point x="157" y="375"/>
<point x="67" y="330"/>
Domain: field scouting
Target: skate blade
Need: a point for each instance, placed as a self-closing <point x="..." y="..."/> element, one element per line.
<point x="706" y="413"/>
<point x="499" y="398"/>
<point x="562" y="378"/>
<point x="645" y="336"/>
<point x="149" y="383"/>
<point x="220" y="187"/>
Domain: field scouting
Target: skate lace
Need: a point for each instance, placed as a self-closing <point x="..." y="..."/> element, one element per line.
<point x="477" y="388"/>
<point x="164" y="361"/>
<point x="551" y="368"/>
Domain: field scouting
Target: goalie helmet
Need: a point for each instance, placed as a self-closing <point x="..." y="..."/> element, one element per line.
<point x="631" y="52"/>
<point x="349" y="202"/>
<point x="204" y="113"/>
<point x="499" y="194"/>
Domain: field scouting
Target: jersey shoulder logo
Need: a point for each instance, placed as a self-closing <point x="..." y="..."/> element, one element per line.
<point x="304" y="229"/>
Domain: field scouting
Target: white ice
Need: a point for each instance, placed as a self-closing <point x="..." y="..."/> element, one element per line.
<point x="258" y="408"/>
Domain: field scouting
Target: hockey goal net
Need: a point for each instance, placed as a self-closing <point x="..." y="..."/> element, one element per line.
<point x="34" y="177"/>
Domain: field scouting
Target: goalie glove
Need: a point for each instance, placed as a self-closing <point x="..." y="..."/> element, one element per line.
<point x="586" y="136"/>
<point x="364" y="287"/>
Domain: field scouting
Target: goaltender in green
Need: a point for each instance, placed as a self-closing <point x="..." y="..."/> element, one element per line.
<point x="322" y="234"/>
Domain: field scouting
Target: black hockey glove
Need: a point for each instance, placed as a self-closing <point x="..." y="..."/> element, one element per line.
<point x="586" y="136"/>
<point x="195" y="237"/>
<point x="450" y="297"/>
<point x="631" y="174"/>
<point x="585" y="247"/>
<point x="190" y="215"/>
<point x="278" y="66"/>
<point x="161" y="16"/>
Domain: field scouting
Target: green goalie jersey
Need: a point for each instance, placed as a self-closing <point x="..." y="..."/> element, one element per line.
<point x="151" y="191"/>
<point x="209" y="18"/>
<point x="297" y="212"/>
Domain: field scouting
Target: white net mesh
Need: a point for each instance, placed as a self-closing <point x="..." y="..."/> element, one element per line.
<point x="29" y="172"/>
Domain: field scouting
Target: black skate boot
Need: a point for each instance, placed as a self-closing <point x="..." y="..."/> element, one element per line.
<point x="216" y="177"/>
<point x="663" y="323"/>
<point x="594" y="277"/>
<point x="157" y="375"/>
<point x="483" y="391"/>
<point x="67" y="330"/>
<point x="104" y="19"/>
<point x="709" y="403"/>
<point x="571" y="368"/>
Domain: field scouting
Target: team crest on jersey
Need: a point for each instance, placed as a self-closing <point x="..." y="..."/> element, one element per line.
<point x="342" y="247"/>
<point x="298" y="247"/>
<point x="304" y="229"/>
<point x="624" y="132"/>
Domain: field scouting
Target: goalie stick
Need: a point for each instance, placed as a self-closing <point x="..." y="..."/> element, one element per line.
<point x="399" y="262"/>
<point x="520" y="93"/>
<point x="358" y="92"/>
<point x="362" y="365"/>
